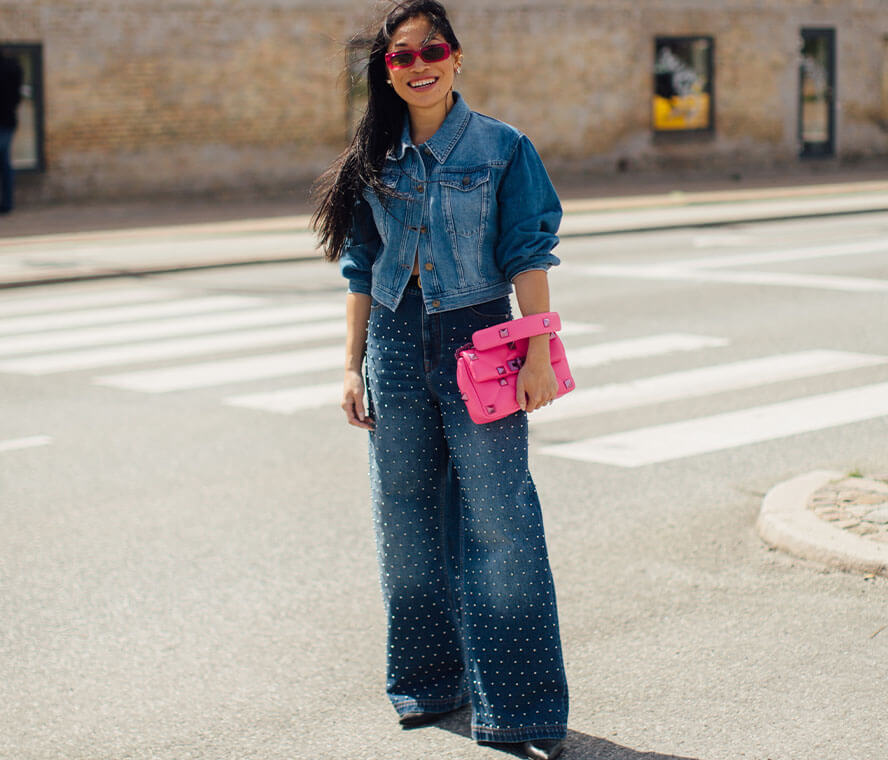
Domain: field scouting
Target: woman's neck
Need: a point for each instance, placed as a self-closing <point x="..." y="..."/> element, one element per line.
<point x="424" y="122"/>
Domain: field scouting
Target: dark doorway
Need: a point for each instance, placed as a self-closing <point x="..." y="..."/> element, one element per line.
<point x="817" y="76"/>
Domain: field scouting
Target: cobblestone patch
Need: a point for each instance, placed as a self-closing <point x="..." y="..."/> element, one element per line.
<point x="856" y="504"/>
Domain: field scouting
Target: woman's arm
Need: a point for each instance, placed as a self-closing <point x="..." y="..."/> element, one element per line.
<point x="357" y="313"/>
<point x="536" y="384"/>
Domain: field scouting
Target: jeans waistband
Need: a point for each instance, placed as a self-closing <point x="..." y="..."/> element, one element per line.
<point x="413" y="285"/>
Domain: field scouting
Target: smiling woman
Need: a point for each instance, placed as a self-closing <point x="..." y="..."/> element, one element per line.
<point x="422" y="66"/>
<point x="434" y="213"/>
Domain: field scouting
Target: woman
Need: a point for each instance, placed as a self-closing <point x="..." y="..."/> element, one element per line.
<point x="434" y="212"/>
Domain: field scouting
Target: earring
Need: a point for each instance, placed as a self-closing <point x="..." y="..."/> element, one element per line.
<point x="389" y="82"/>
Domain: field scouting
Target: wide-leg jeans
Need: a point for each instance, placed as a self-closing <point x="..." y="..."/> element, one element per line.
<point x="463" y="561"/>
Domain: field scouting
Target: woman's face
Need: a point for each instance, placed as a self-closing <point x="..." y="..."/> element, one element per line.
<point x="423" y="84"/>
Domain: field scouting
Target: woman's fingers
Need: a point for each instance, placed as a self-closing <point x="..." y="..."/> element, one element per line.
<point x="355" y="414"/>
<point x="535" y="389"/>
<point x="353" y="403"/>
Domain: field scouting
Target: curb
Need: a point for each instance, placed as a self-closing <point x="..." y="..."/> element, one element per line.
<point x="582" y="218"/>
<point x="786" y="523"/>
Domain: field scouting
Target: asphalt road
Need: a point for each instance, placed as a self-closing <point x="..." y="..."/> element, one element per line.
<point x="186" y="558"/>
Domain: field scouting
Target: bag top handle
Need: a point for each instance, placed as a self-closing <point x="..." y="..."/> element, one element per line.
<point x="516" y="329"/>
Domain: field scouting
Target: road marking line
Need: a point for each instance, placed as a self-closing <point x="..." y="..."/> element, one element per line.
<point x="82" y="300"/>
<point x="60" y="339"/>
<point x="67" y="319"/>
<point x="635" y="348"/>
<point x="31" y="442"/>
<point x="570" y="328"/>
<point x="701" y="382"/>
<point x="878" y="245"/>
<point x="45" y="364"/>
<point x="820" y="282"/>
<point x="290" y="400"/>
<point x="663" y="443"/>
<point x="208" y="374"/>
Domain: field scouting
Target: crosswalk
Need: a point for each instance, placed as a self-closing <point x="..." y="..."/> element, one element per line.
<point x="256" y="353"/>
<point x="29" y="442"/>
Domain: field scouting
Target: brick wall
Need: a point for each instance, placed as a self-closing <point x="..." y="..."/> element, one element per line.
<point x="246" y="96"/>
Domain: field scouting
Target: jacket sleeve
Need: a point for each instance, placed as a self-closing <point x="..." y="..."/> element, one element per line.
<point x="529" y="214"/>
<point x="361" y="248"/>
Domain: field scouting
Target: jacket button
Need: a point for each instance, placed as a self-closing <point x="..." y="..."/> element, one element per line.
<point x="423" y="229"/>
<point x="429" y="266"/>
<point x="420" y="188"/>
<point x="435" y="304"/>
<point x="466" y="180"/>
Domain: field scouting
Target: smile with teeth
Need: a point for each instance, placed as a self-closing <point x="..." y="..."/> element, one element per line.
<point x="420" y="83"/>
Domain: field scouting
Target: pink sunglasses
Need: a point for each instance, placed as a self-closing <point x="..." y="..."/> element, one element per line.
<point x="402" y="59"/>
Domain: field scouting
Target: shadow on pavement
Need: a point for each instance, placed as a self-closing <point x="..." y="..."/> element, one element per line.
<point x="577" y="746"/>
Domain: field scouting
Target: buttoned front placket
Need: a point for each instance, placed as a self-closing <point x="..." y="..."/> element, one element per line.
<point x="415" y="223"/>
<point x="424" y="196"/>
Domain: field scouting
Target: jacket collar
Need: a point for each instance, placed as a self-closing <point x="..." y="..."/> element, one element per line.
<point x="445" y="139"/>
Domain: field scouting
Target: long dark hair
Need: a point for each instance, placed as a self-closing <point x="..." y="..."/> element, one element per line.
<point x="378" y="132"/>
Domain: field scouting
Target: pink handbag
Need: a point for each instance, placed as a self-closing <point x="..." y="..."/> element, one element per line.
<point x="487" y="368"/>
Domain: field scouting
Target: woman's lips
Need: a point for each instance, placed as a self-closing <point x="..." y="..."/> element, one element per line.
<point x="422" y="84"/>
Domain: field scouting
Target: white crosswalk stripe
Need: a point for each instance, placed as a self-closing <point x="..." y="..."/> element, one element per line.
<point x="662" y="443"/>
<point x="782" y="255"/>
<point x="290" y="400"/>
<point x="17" y="444"/>
<point x="34" y="304"/>
<point x="170" y="349"/>
<point x="68" y="319"/>
<point x="705" y="270"/>
<point x="92" y="336"/>
<point x="783" y="279"/>
<point x="209" y="374"/>
<point x="639" y="348"/>
<point x="701" y="382"/>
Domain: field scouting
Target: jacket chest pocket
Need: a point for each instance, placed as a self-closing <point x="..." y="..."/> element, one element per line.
<point x="464" y="200"/>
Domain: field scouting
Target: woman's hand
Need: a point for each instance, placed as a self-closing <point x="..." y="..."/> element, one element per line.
<point x="353" y="400"/>
<point x="536" y="385"/>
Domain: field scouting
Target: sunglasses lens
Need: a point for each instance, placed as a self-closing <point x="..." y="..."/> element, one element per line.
<point x="434" y="53"/>
<point x="400" y="60"/>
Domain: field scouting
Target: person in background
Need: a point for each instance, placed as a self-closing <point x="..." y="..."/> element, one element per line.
<point x="11" y="78"/>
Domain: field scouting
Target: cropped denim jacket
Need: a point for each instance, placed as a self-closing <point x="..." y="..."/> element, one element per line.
<point x="484" y="213"/>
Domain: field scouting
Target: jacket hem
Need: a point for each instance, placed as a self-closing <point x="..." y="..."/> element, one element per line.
<point x="450" y="301"/>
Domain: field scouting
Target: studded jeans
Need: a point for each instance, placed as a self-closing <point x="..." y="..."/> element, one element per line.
<point x="463" y="561"/>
